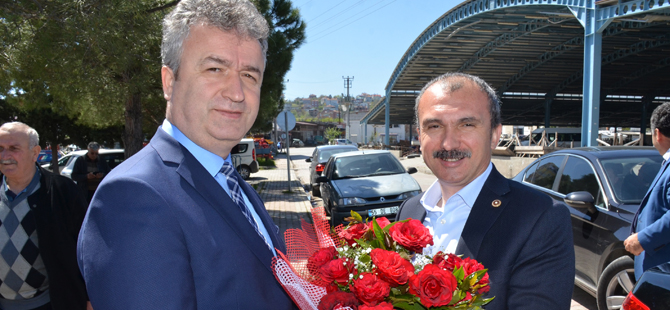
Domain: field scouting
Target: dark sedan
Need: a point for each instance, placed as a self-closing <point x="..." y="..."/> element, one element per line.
<point x="372" y="183"/>
<point x="602" y="187"/>
<point x="318" y="160"/>
<point x="651" y="292"/>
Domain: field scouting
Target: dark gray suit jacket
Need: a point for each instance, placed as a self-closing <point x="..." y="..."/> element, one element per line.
<point x="525" y="242"/>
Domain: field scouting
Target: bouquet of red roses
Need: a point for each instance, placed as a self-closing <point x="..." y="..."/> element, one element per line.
<point x="375" y="265"/>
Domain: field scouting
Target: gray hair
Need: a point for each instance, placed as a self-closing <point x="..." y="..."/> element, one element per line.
<point x="34" y="138"/>
<point x="94" y="146"/>
<point x="449" y="85"/>
<point x="240" y="16"/>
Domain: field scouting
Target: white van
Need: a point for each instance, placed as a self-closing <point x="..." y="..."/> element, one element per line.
<point x="243" y="156"/>
<point x="567" y="137"/>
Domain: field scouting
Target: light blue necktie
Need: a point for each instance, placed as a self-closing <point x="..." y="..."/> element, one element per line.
<point x="236" y="195"/>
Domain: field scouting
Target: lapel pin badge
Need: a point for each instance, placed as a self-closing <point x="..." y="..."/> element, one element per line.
<point x="496" y="203"/>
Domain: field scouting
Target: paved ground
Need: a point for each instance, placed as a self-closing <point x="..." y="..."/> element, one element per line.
<point x="289" y="204"/>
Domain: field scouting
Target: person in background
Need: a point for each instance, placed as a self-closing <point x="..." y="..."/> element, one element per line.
<point x="650" y="231"/>
<point x="89" y="170"/>
<point x="40" y="217"/>
<point x="523" y="239"/>
<point x="175" y="226"/>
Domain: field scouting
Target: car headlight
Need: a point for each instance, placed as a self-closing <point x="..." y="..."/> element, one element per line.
<point x="351" y="201"/>
<point x="407" y="195"/>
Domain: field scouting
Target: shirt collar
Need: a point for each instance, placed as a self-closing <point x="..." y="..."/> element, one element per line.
<point x="468" y="194"/>
<point x="207" y="159"/>
<point x="31" y="185"/>
<point x="666" y="156"/>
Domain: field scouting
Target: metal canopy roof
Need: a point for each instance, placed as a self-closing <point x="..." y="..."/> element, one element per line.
<point x="532" y="53"/>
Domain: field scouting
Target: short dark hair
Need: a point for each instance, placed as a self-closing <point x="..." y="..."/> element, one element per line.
<point x="661" y="119"/>
<point x="445" y="79"/>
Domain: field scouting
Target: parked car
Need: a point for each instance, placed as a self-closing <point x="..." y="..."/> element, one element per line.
<point x="243" y="156"/>
<point x="341" y="142"/>
<point x="651" y="292"/>
<point x="297" y="143"/>
<point x="318" y="160"/>
<point x="45" y="157"/>
<point x="372" y="183"/>
<point x="113" y="157"/>
<point x="602" y="187"/>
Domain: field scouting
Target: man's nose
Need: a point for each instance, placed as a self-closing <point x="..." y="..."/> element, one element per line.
<point x="450" y="140"/>
<point x="233" y="89"/>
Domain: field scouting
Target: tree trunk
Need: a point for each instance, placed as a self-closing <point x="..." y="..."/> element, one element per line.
<point x="132" y="134"/>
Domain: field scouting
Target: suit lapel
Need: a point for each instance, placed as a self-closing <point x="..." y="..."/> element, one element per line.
<point x="192" y="172"/>
<point x="483" y="214"/>
<point x="646" y="196"/>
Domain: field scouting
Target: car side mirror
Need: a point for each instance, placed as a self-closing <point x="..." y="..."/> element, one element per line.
<point x="309" y="160"/>
<point x="581" y="200"/>
<point x="321" y="179"/>
<point x="411" y="170"/>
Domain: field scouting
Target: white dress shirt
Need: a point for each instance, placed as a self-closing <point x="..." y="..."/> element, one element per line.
<point x="446" y="224"/>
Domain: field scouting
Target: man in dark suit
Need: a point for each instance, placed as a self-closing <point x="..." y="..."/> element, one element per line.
<point x="517" y="233"/>
<point x="650" y="230"/>
<point x="175" y="226"/>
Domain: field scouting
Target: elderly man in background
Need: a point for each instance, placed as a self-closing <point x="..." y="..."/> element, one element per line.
<point x="89" y="170"/>
<point x="40" y="217"/>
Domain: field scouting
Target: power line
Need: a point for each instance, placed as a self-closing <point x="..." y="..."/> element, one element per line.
<point x="336" y="14"/>
<point x="328" y="10"/>
<point x="352" y="22"/>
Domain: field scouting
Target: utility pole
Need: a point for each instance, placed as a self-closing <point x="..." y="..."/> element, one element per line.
<point x="347" y="84"/>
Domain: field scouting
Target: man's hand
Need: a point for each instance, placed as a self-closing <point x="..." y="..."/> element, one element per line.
<point x="99" y="175"/>
<point x="633" y="245"/>
<point x="90" y="175"/>
<point x="88" y="306"/>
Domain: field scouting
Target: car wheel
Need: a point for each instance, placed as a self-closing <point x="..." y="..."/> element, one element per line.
<point x="615" y="282"/>
<point x="316" y="190"/>
<point x="244" y="171"/>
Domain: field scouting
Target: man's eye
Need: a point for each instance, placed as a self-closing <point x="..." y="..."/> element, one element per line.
<point x="214" y="69"/>
<point x="250" y="77"/>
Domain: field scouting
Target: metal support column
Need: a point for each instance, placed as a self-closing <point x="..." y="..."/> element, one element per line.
<point x="365" y="125"/>
<point x="387" y="119"/>
<point x="547" y="112"/>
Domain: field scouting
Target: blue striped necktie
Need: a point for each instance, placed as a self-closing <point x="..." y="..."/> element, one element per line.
<point x="236" y="195"/>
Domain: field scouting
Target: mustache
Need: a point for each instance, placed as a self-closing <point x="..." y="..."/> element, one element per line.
<point x="451" y="154"/>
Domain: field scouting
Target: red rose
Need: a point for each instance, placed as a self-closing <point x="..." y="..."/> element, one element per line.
<point x="447" y="261"/>
<point x="412" y="235"/>
<point x="320" y="258"/>
<point x="381" y="306"/>
<point x="355" y="231"/>
<point x="433" y="286"/>
<point x="470" y="266"/>
<point x="382" y="222"/>
<point x="338" y="299"/>
<point x="392" y="267"/>
<point x="336" y="270"/>
<point x="369" y="289"/>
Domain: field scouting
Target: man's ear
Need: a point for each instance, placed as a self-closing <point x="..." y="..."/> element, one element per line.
<point x="36" y="152"/>
<point x="495" y="136"/>
<point x="168" y="78"/>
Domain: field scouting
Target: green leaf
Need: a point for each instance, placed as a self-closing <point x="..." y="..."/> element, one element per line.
<point x="408" y="306"/>
<point x="356" y="216"/>
<point x="365" y="258"/>
<point x="379" y="234"/>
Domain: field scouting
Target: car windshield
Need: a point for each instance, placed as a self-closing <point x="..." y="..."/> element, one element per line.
<point x="630" y="177"/>
<point x="366" y="165"/>
<point x="325" y="155"/>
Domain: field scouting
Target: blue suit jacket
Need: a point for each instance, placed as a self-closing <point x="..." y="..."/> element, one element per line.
<point x="162" y="234"/>
<point x="652" y="223"/>
<point x="526" y="244"/>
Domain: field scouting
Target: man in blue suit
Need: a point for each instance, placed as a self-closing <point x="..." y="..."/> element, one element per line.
<point x="650" y="231"/>
<point x="523" y="239"/>
<point x="175" y="226"/>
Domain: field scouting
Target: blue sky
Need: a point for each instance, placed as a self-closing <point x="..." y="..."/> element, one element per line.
<point x="360" y="38"/>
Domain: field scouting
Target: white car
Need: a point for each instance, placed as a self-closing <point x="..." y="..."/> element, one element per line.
<point x="243" y="156"/>
<point x="65" y="164"/>
<point x="341" y="142"/>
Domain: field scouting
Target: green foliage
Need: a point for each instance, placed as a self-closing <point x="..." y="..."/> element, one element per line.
<point x="332" y="133"/>
<point x="265" y="162"/>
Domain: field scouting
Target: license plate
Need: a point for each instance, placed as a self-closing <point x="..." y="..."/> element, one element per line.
<point x="383" y="211"/>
